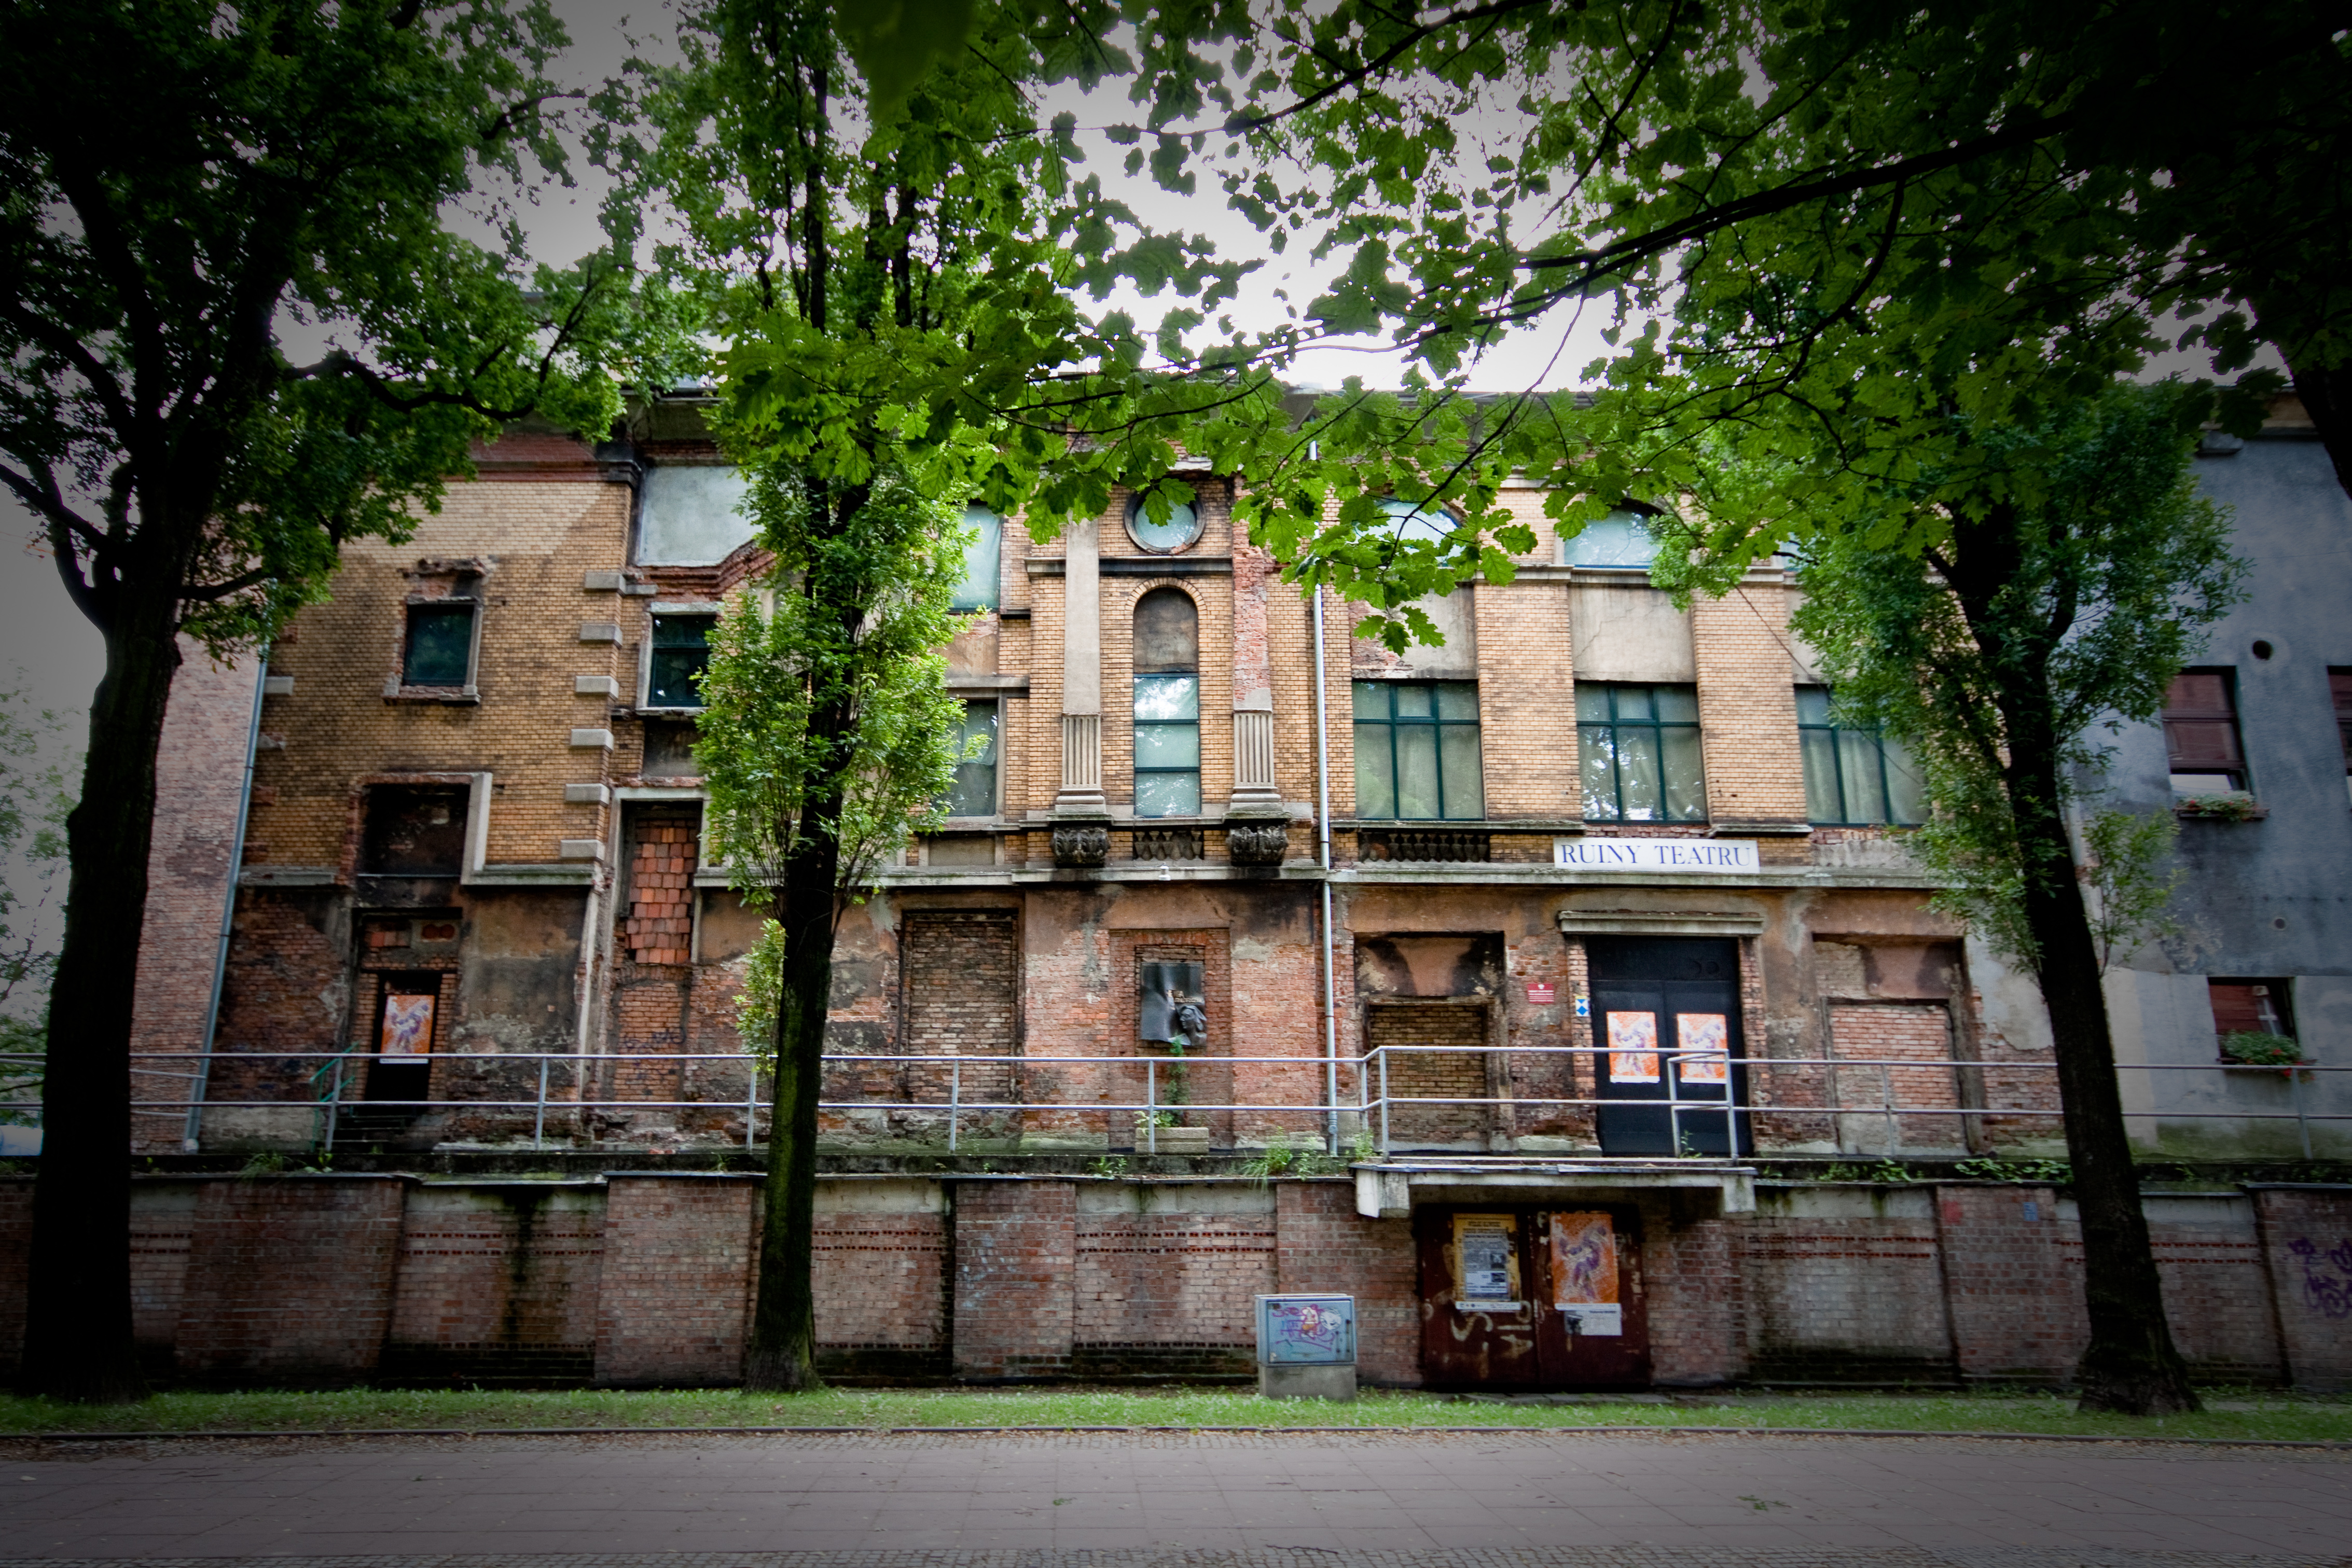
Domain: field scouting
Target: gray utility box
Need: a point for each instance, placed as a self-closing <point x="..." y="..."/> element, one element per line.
<point x="1307" y="1347"/>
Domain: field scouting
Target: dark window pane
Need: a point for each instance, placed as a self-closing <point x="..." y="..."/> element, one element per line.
<point x="440" y="645"/>
<point x="1686" y="782"/>
<point x="1592" y="703"/>
<point x="1823" y="803"/>
<point x="1375" y="782"/>
<point x="1596" y="748"/>
<point x="1416" y="753"/>
<point x="1458" y="700"/>
<point x="978" y="591"/>
<point x="1632" y="703"/>
<point x="1412" y="702"/>
<point x="682" y="654"/>
<point x="1812" y="704"/>
<point x="1676" y="704"/>
<point x="414" y="831"/>
<point x="974" y="791"/>
<point x="1466" y="791"/>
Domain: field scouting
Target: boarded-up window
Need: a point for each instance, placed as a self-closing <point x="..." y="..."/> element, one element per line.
<point x="1434" y="1054"/>
<point x="414" y="830"/>
<point x="2200" y="733"/>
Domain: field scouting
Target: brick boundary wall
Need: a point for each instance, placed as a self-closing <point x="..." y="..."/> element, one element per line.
<point x="644" y="1279"/>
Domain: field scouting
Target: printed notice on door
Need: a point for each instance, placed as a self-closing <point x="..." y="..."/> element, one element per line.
<point x="1633" y="1048"/>
<point x="1483" y="1243"/>
<point x="1584" y="1274"/>
<point x="1704" y="1039"/>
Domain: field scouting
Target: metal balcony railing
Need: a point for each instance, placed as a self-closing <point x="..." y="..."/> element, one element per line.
<point x="570" y="1090"/>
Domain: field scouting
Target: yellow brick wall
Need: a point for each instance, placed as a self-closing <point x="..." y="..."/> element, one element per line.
<point x="1748" y="705"/>
<point x="1526" y="699"/>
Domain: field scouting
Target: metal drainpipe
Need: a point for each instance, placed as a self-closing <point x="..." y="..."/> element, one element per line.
<point x="1323" y="858"/>
<point x="191" y="1134"/>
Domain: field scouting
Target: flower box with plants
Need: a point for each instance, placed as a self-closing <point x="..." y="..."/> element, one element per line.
<point x="2223" y="806"/>
<point x="2252" y="1048"/>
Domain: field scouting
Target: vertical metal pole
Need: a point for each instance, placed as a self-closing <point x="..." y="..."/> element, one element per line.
<point x="538" y="1118"/>
<point x="1887" y="1088"/>
<point x="1151" y="1104"/>
<point x="955" y="1101"/>
<point x="1671" y="1065"/>
<point x="2295" y="1089"/>
<point x="751" y="1105"/>
<point x="335" y="1104"/>
<point x="1382" y="1051"/>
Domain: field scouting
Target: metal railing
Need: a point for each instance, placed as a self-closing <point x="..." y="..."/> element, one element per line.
<point x="1358" y="1087"/>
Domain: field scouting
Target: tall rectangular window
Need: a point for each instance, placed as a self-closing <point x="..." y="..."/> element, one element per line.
<point x="439" y="648"/>
<point x="980" y="587"/>
<point x="1417" y="751"/>
<point x="681" y="652"/>
<point x="974" y="791"/>
<point x="1637" y="749"/>
<point x="1853" y="777"/>
<point x="1166" y="746"/>
<point x="2339" y="687"/>
<point x="2200" y="733"/>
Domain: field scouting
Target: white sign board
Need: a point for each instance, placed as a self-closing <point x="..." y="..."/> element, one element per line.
<point x="1721" y="857"/>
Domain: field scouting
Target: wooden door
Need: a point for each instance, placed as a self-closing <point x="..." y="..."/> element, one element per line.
<point x="1528" y="1298"/>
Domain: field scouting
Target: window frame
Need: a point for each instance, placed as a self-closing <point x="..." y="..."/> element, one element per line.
<point x="2340" y="693"/>
<point x="992" y="596"/>
<point x="1438" y="726"/>
<point x="1657" y="729"/>
<point x="1137" y="768"/>
<point x="2166" y="718"/>
<point x="1133" y="513"/>
<point x="1632" y="511"/>
<point x="656" y="613"/>
<point x="1836" y="732"/>
<point x="470" y="602"/>
<point x="992" y="758"/>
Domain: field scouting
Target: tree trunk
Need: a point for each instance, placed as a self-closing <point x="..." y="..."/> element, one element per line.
<point x="78" y="1330"/>
<point x="2130" y="1364"/>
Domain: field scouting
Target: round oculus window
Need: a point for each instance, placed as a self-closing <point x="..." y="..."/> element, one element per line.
<point x="1182" y="527"/>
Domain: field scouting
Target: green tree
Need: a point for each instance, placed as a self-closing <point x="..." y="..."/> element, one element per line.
<point x="828" y="736"/>
<point x="1994" y="640"/>
<point x="35" y="793"/>
<point x="186" y="192"/>
<point x="893" y="274"/>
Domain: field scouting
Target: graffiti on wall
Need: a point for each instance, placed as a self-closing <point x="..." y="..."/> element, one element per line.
<point x="2326" y="1276"/>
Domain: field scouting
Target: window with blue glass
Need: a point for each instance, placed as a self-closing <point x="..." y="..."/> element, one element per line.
<point x="974" y="791"/>
<point x="1417" y="751"/>
<point x="439" y="648"/>
<point x="1638" y="752"/>
<point x="979" y="589"/>
<point x="1429" y="524"/>
<point x="1167" y="704"/>
<point x="1623" y="538"/>
<point x="1855" y="777"/>
<point x="681" y="652"/>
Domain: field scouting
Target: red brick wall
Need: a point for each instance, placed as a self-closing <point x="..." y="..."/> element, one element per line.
<point x="1697" y="1300"/>
<point x="199" y="774"/>
<point x="2307" y="1236"/>
<point x="1323" y="1244"/>
<point x="290" y="1281"/>
<point x="881" y="1279"/>
<point x="163" y="1238"/>
<point x="1017" y="1268"/>
<point x="959" y="978"/>
<point x="1885" y="1033"/>
<point x="1170" y="1288"/>
<point x="16" y="1250"/>
<point x="673" y="1286"/>
<point x="1843" y="1301"/>
<point x="2016" y="1295"/>
<point x="497" y="1282"/>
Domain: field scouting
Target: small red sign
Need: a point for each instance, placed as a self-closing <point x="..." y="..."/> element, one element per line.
<point x="1541" y="996"/>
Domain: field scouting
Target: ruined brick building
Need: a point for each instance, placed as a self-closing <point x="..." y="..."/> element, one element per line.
<point x="1563" y="927"/>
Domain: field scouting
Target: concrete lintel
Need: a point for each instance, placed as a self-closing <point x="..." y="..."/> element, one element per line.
<point x="520" y="875"/>
<point x="286" y="876"/>
<point x="1644" y="923"/>
<point x="1388" y="1190"/>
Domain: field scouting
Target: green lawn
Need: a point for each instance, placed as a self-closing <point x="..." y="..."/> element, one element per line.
<point x="2246" y="1415"/>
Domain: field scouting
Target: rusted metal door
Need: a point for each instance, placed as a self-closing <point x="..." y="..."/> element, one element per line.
<point x="1528" y="1298"/>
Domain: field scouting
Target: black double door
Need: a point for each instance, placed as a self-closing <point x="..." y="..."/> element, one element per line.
<point x="1666" y="1033"/>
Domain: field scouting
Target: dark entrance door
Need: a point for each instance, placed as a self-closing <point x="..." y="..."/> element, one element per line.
<point x="1666" y="1022"/>
<point x="1532" y="1298"/>
<point x="399" y="1071"/>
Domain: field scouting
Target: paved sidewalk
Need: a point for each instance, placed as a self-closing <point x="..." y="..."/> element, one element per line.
<point x="1139" y="1502"/>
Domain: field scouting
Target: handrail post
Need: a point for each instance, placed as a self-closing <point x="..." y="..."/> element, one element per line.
<point x="539" y="1116"/>
<point x="1671" y="1065"/>
<point x="2294" y="1092"/>
<point x="955" y="1101"/>
<point x="1886" y="1089"/>
<point x="335" y="1104"/>
<point x="1151" y="1104"/>
<point x="1382" y="1051"/>
<point x="751" y="1103"/>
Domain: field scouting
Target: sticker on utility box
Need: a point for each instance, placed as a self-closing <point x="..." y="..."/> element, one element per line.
<point x="1307" y="1331"/>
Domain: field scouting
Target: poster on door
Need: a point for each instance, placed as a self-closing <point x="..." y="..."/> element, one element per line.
<point x="1584" y="1274"/>
<point x="1705" y="1041"/>
<point x="1482" y="1248"/>
<point x="1633" y="1048"/>
<point x="407" y="1026"/>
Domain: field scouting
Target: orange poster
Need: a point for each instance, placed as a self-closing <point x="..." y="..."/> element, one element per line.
<point x="1705" y="1040"/>
<point x="1633" y="1048"/>
<point x="1583" y="1260"/>
<point x="407" y="1026"/>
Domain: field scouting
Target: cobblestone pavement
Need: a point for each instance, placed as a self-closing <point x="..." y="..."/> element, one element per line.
<point x="1504" y="1499"/>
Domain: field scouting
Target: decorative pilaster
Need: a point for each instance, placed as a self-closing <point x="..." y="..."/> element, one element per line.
<point x="1081" y="793"/>
<point x="1254" y="757"/>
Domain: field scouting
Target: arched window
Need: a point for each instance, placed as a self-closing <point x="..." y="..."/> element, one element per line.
<point x="1167" y="704"/>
